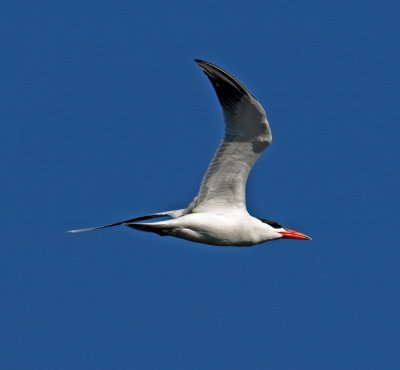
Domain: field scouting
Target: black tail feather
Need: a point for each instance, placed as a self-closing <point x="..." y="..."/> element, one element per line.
<point x="125" y="222"/>
<point x="150" y="228"/>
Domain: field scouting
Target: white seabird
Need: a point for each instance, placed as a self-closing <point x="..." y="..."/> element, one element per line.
<point x="218" y="214"/>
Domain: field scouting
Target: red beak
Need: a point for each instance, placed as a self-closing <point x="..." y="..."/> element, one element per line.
<point x="294" y="235"/>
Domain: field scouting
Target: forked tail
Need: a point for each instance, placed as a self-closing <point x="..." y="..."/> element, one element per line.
<point x="144" y="227"/>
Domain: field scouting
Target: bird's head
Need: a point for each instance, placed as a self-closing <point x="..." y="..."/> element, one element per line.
<point x="282" y="232"/>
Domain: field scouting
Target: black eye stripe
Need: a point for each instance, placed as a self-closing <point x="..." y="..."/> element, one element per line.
<point x="274" y="224"/>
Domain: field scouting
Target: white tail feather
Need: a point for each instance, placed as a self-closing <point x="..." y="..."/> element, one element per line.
<point x="174" y="214"/>
<point x="87" y="229"/>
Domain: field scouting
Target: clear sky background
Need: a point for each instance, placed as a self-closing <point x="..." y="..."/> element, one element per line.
<point x="105" y="116"/>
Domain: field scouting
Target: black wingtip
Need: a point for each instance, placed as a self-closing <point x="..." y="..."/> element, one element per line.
<point x="203" y="63"/>
<point x="229" y="90"/>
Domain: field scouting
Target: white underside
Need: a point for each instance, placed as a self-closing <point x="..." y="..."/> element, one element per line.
<point x="234" y="229"/>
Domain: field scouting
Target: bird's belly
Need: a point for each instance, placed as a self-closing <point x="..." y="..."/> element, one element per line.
<point x="216" y="231"/>
<point x="209" y="238"/>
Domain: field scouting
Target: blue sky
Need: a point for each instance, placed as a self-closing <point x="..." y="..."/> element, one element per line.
<point x="105" y="116"/>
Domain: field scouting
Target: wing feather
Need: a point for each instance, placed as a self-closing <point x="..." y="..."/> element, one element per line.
<point x="247" y="135"/>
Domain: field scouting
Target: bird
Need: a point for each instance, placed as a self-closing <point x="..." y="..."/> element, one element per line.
<point x="218" y="214"/>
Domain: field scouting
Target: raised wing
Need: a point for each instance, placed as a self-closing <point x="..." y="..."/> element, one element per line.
<point x="247" y="135"/>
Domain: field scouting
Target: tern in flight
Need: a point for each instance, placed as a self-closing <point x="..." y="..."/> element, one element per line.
<point x="218" y="214"/>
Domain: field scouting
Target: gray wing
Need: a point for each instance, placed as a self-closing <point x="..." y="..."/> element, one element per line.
<point x="247" y="135"/>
